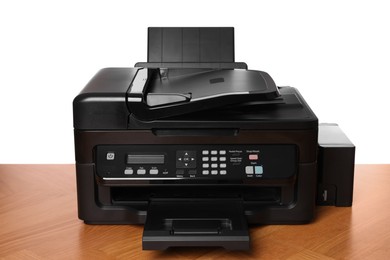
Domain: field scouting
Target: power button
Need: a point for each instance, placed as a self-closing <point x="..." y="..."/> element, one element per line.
<point x="110" y="156"/>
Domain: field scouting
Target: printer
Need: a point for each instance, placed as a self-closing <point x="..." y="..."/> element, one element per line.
<point x="196" y="146"/>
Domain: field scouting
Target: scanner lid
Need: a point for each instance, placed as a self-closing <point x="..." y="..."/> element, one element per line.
<point x="161" y="93"/>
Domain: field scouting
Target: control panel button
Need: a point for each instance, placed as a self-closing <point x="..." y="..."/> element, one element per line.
<point x="214" y="165"/>
<point x="249" y="169"/>
<point x="214" y="152"/>
<point x="110" y="156"/>
<point x="214" y="159"/>
<point x="214" y="172"/>
<point x="186" y="159"/>
<point x="141" y="171"/>
<point x="205" y="172"/>
<point x="205" y="165"/>
<point x="153" y="171"/>
<point x="253" y="157"/>
<point x="222" y="159"/>
<point x="192" y="172"/>
<point x="222" y="165"/>
<point x="129" y="171"/>
<point x="258" y="169"/>
<point x="222" y="152"/>
<point x="205" y="159"/>
<point x="205" y="152"/>
<point x="222" y="172"/>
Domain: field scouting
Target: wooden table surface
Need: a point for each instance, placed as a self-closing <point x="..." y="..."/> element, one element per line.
<point x="38" y="217"/>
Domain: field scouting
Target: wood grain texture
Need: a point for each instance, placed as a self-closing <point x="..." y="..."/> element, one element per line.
<point x="38" y="216"/>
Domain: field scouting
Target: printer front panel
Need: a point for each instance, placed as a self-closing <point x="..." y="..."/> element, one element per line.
<point x="120" y="172"/>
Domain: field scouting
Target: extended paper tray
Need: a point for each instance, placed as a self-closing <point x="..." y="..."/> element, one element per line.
<point x="199" y="223"/>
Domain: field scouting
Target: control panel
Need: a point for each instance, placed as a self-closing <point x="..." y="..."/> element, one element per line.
<point x="236" y="163"/>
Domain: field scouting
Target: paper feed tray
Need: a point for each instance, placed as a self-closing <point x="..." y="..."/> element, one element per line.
<point x="157" y="93"/>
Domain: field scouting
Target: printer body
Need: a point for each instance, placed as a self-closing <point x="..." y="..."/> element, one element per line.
<point x="197" y="147"/>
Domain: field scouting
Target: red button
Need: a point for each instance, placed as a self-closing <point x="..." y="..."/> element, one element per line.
<point x="253" y="157"/>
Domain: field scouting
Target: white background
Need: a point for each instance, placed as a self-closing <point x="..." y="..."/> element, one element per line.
<point x="337" y="53"/>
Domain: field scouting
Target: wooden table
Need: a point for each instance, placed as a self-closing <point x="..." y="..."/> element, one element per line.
<point x="38" y="216"/>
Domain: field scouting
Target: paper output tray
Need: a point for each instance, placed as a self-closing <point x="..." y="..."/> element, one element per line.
<point x="197" y="223"/>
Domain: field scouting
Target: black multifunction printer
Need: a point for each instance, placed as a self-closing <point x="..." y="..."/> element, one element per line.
<point x="196" y="147"/>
